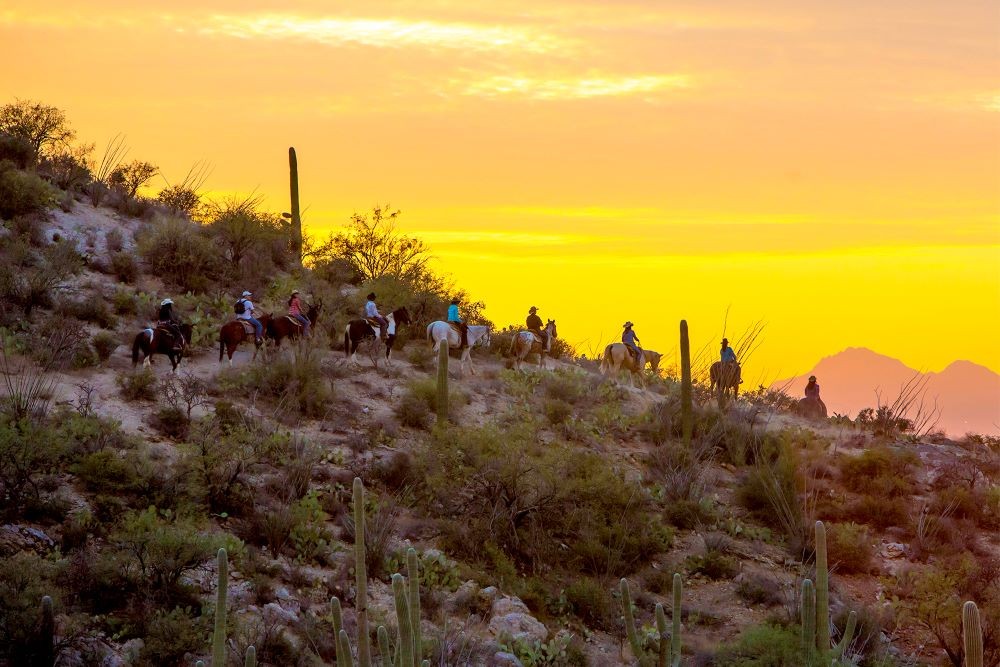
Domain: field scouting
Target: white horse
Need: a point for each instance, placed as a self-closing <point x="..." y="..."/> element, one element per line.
<point x="440" y="332"/>
<point x="617" y="358"/>
<point x="526" y="342"/>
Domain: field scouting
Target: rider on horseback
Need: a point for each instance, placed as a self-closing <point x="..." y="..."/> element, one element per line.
<point x="372" y="314"/>
<point x="535" y="324"/>
<point x="728" y="356"/>
<point x="630" y="340"/>
<point x="167" y="320"/>
<point x="246" y="313"/>
<point x="455" y="320"/>
<point x="295" y="311"/>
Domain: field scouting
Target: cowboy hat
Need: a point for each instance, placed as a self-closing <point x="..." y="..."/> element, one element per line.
<point x="166" y="302"/>
<point x="455" y="300"/>
<point x="371" y="297"/>
<point x="532" y="309"/>
<point x="294" y="292"/>
<point x="726" y="341"/>
<point x="812" y="378"/>
<point x="247" y="293"/>
<point x="626" y="325"/>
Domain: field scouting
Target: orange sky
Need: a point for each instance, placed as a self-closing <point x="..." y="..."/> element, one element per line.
<point x="831" y="168"/>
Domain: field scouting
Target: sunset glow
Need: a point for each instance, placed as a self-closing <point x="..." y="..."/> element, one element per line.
<point x="830" y="168"/>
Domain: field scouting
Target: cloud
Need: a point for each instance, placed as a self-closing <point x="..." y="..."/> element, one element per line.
<point x="540" y="88"/>
<point x="384" y="32"/>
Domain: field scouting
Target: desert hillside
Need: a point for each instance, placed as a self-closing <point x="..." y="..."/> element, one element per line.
<point x="526" y="497"/>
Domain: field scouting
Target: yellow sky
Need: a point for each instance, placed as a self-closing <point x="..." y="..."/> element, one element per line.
<point x="830" y="168"/>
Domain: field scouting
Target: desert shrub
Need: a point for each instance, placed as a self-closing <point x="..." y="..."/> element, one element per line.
<point x="850" y="548"/>
<point x="77" y="529"/>
<point x="309" y="535"/>
<point x="124" y="267"/>
<point x="87" y="433"/>
<point x="539" y="504"/>
<point x="104" y="345"/>
<point x="565" y="385"/>
<point x="28" y="453"/>
<point x="171" y="422"/>
<point x="216" y="463"/>
<point x="297" y="382"/>
<point x="557" y="410"/>
<point x="381" y="517"/>
<point x="770" y="491"/>
<point x="91" y="309"/>
<point x="125" y="302"/>
<point x="755" y="589"/>
<point x="714" y="562"/>
<point x="591" y="602"/>
<point x="16" y="150"/>
<point x="139" y="385"/>
<point x="114" y="240"/>
<point x="419" y="402"/>
<point x="879" y="511"/>
<point x="879" y="470"/>
<point x="420" y="356"/>
<point x="178" y="252"/>
<point x="24" y="579"/>
<point x="22" y="192"/>
<point x="765" y="646"/>
<point x="395" y="470"/>
<point x="30" y="227"/>
<point x="171" y="635"/>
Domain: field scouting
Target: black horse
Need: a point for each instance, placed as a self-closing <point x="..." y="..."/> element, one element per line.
<point x="358" y="331"/>
<point x="160" y="340"/>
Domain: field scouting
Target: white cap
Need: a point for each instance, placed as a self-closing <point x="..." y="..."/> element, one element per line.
<point x="165" y="302"/>
<point x="246" y="293"/>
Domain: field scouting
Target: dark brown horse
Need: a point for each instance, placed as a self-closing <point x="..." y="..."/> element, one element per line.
<point x="234" y="332"/>
<point x="160" y="340"/>
<point x="726" y="376"/>
<point x="358" y="331"/>
<point x="280" y="328"/>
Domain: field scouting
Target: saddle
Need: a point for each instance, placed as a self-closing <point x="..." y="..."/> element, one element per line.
<point x="457" y="326"/>
<point x="247" y="326"/>
<point x="293" y="321"/>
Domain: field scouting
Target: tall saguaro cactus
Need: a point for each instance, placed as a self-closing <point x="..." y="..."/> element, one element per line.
<point x="668" y="655"/>
<point x="822" y="590"/>
<point x="442" y="383"/>
<point x="46" y="633"/>
<point x="815" y="609"/>
<point x="361" y="572"/>
<point x="221" y="596"/>
<point x="972" y="635"/>
<point x="687" y="415"/>
<point x="293" y="169"/>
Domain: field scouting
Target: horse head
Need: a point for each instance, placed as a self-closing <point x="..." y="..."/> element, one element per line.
<point x="187" y="330"/>
<point x="550" y="328"/>
<point x="401" y="315"/>
<point x="654" y="359"/>
<point x="313" y="313"/>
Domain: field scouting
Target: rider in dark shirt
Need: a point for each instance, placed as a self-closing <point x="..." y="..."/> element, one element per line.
<point x="167" y="320"/>
<point x="535" y="324"/>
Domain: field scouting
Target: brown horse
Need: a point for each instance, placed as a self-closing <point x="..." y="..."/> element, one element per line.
<point x="234" y="332"/>
<point x="726" y="376"/>
<point x="525" y="342"/>
<point x="359" y="331"/>
<point x="618" y="358"/>
<point x="159" y="340"/>
<point x="279" y="328"/>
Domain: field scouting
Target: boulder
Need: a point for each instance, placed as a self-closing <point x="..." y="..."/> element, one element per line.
<point x="15" y="539"/>
<point x="510" y="617"/>
<point x="504" y="659"/>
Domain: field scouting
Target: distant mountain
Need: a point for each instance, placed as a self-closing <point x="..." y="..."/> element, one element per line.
<point x="968" y="394"/>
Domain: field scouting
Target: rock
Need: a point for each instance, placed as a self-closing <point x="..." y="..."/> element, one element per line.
<point x="282" y="593"/>
<point x="131" y="650"/>
<point x="510" y="617"/>
<point x="275" y="612"/>
<point x="15" y="538"/>
<point x="893" y="550"/>
<point x="489" y="593"/>
<point x="504" y="659"/>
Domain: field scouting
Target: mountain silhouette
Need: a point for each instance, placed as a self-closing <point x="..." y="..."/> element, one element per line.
<point x="967" y="394"/>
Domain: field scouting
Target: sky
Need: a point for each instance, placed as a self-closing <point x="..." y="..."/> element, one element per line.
<point x="831" y="169"/>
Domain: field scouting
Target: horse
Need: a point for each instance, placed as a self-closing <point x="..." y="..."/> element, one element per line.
<point x="725" y="376"/>
<point x="525" y="342"/>
<point x="442" y="332"/>
<point x="234" y="332"/>
<point x="279" y="328"/>
<point x="158" y="340"/>
<point x="617" y="358"/>
<point x="357" y="331"/>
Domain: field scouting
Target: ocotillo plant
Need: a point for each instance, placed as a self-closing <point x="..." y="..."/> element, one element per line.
<point x="687" y="414"/>
<point x="219" y="635"/>
<point x="972" y="635"/>
<point x="442" y="384"/>
<point x="667" y="654"/>
<point x="293" y="169"/>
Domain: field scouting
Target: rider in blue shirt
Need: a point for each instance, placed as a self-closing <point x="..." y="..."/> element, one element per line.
<point x="630" y="340"/>
<point x="455" y="319"/>
<point x="727" y="354"/>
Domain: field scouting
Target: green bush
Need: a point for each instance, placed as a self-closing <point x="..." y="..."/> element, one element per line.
<point x="591" y="602"/>
<point x="16" y="150"/>
<point x="139" y="385"/>
<point x="179" y="253"/>
<point x="93" y="309"/>
<point x="880" y="511"/>
<point x="24" y="579"/>
<point x="712" y="564"/>
<point x="765" y="646"/>
<point x="419" y="402"/>
<point x="124" y="267"/>
<point x="125" y="302"/>
<point x="297" y="382"/>
<point x="104" y="345"/>
<point x="557" y="411"/>
<point x="28" y="452"/>
<point x="172" y="422"/>
<point x="850" y="548"/>
<point x="879" y="471"/>
<point x="171" y="635"/>
<point x="22" y="192"/>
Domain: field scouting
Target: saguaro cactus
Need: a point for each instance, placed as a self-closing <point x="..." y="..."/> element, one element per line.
<point x="972" y="635"/>
<point x="822" y="590"/>
<point x="442" y="383"/>
<point x="413" y="577"/>
<point x="667" y="654"/>
<point x="251" y="659"/>
<point x="808" y="617"/>
<point x="46" y="633"/>
<point x="221" y="596"/>
<point x="361" y="572"/>
<point x="293" y="169"/>
<point x="687" y="414"/>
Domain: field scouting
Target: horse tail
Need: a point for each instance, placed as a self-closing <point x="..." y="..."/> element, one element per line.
<point x="347" y="341"/>
<point x="513" y="344"/>
<point x="136" y="346"/>
<point x="222" y="345"/>
<point x="606" y="360"/>
<point x="430" y="334"/>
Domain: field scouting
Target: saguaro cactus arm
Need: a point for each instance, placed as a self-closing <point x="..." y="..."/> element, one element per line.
<point x="221" y="598"/>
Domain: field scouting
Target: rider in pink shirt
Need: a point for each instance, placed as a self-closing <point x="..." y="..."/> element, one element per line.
<point x="295" y="310"/>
